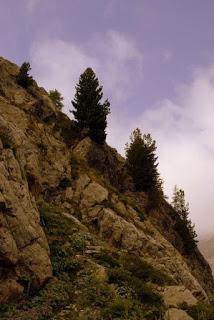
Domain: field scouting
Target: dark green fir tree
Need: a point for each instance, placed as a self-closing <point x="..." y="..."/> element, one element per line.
<point x="184" y="225"/>
<point x="23" y="78"/>
<point x="89" y="111"/>
<point x="141" y="162"/>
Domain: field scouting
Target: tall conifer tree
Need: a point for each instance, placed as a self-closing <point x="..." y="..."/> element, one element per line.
<point x="184" y="224"/>
<point x="23" y="78"/>
<point x="142" y="163"/>
<point x="89" y="112"/>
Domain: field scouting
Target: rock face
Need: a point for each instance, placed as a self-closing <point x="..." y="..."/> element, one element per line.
<point x="23" y="246"/>
<point x="176" y="314"/>
<point x="176" y="295"/>
<point x="107" y="161"/>
<point x="40" y="160"/>
<point x="119" y="224"/>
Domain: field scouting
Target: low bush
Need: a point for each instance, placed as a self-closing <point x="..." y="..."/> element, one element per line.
<point x="57" y="295"/>
<point x="144" y="271"/>
<point x="97" y="293"/>
<point x="142" y="291"/>
<point x="6" y="310"/>
<point x="106" y="260"/>
<point x="119" y="309"/>
<point x="68" y="131"/>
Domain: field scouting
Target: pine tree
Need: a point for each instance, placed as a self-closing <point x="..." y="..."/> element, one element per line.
<point x="179" y="204"/>
<point x="141" y="162"/>
<point x="23" y="78"/>
<point x="89" y="112"/>
<point x="184" y="224"/>
<point x="57" y="98"/>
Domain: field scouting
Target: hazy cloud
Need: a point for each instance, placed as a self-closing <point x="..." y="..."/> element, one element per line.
<point x="114" y="57"/>
<point x="184" y="130"/>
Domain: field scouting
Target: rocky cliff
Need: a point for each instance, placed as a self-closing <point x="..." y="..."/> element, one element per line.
<point x="76" y="242"/>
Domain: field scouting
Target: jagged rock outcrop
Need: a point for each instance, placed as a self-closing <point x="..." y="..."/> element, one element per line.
<point x="107" y="161"/>
<point x="24" y="249"/>
<point x="41" y="160"/>
<point x="119" y="224"/>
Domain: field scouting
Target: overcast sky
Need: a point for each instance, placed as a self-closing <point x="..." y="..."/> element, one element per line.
<point x="155" y="60"/>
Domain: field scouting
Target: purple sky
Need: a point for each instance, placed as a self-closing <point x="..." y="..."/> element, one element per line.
<point x="155" y="59"/>
<point x="173" y="36"/>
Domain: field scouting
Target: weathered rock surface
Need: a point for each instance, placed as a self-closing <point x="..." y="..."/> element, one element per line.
<point x="121" y="229"/>
<point x="23" y="246"/>
<point x="176" y="295"/>
<point x="177" y="314"/>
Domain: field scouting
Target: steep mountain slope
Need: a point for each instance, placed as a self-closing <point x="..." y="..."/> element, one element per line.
<point x="76" y="242"/>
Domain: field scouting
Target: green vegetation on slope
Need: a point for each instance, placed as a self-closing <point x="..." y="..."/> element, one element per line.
<point x="104" y="284"/>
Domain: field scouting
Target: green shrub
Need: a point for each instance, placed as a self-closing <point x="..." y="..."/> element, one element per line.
<point x="106" y="260"/>
<point x="63" y="266"/>
<point x="78" y="242"/>
<point x="65" y="126"/>
<point x="97" y="293"/>
<point x="130" y="309"/>
<point x="144" y="271"/>
<point x="54" y="222"/>
<point x="23" y="78"/>
<point x="146" y="294"/>
<point x="57" y="98"/>
<point x="57" y="295"/>
<point x="119" y="276"/>
<point x="6" y="310"/>
<point x="119" y="309"/>
<point x="143" y="291"/>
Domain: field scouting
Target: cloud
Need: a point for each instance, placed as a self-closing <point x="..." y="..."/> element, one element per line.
<point x="184" y="130"/>
<point x="57" y="64"/>
<point x="114" y="57"/>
